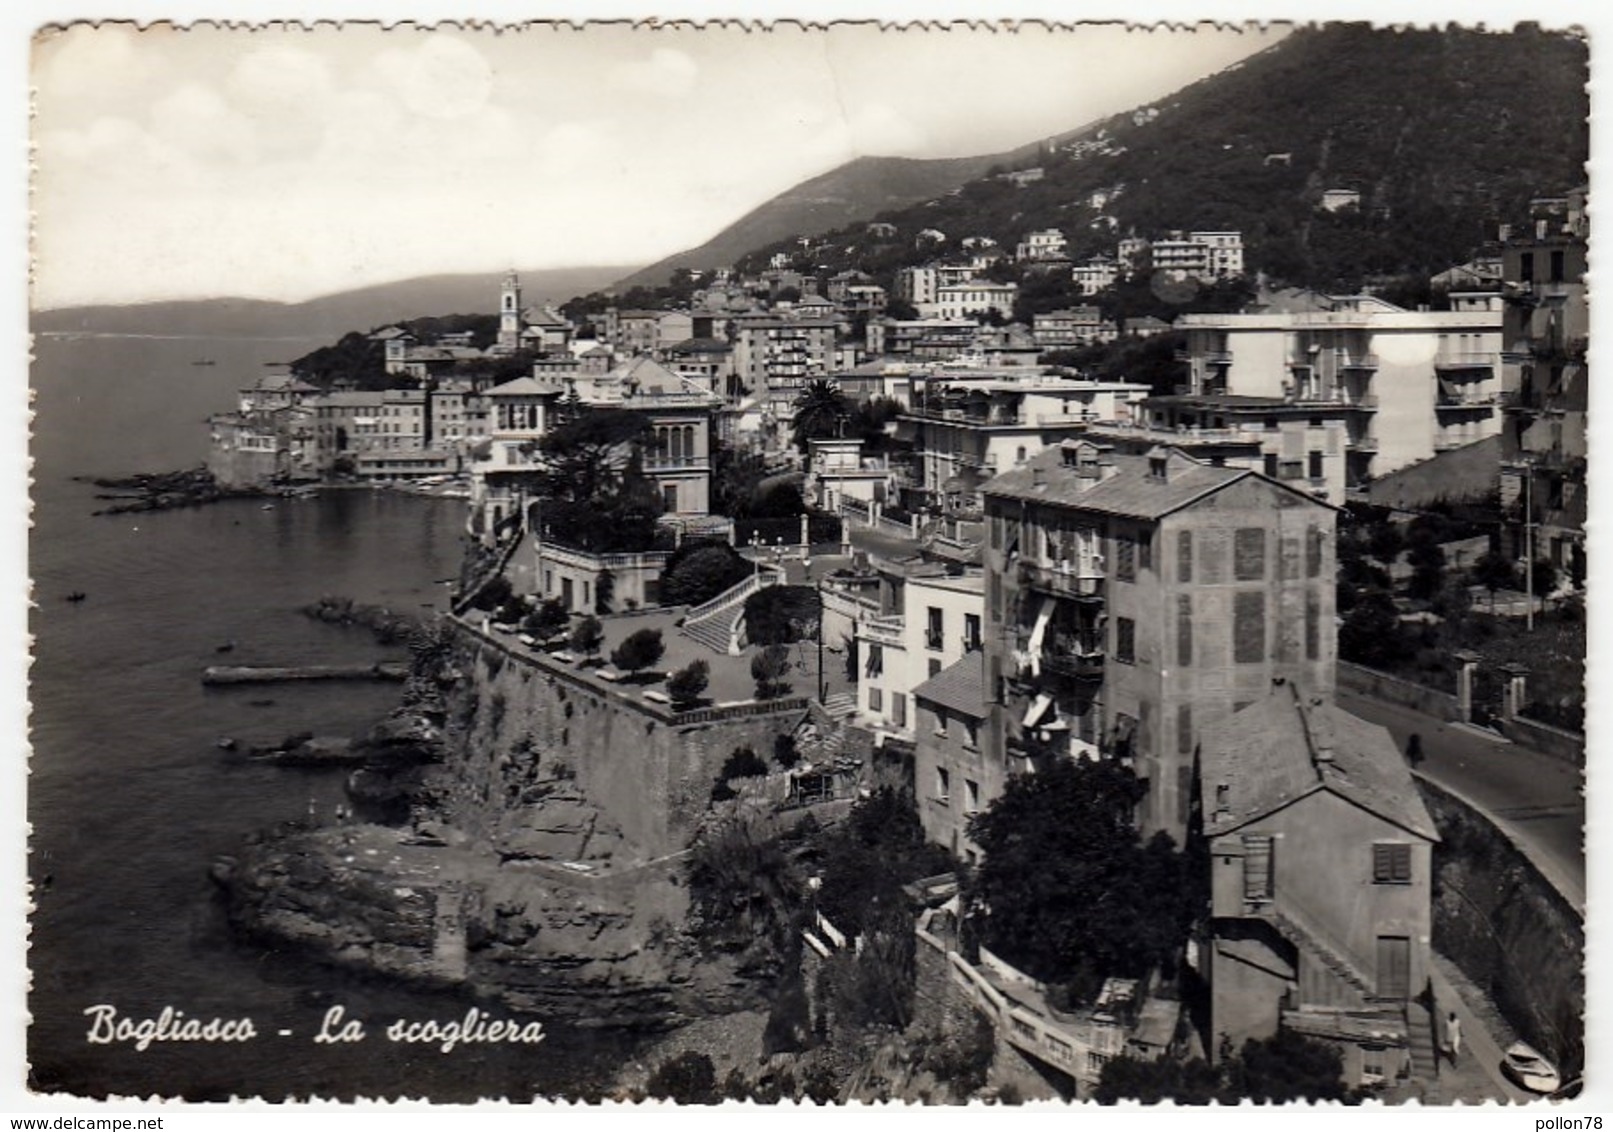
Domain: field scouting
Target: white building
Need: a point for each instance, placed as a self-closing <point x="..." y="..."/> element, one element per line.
<point x="1414" y="382"/>
<point x="976" y="296"/>
<point x="936" y="620"/>
<point x="1049" y="243"/>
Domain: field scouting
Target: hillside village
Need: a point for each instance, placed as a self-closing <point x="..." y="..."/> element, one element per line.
<point x="910" y="539"/>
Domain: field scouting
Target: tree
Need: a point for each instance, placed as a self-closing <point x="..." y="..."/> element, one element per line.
<point x="1371" y="634"/>
<point x="548" y="619"/>
<point x="1385" y="542"/>
<point x="1544" y="577"/>
<point x="767" y="668"/>
<point x="687" y="683"/>
<point x="689" y="1078"/>
<point x="640" y="650"/>
<point x="604" y="590"/>
<point x="1427" y="559"/>
<point x="1132" y="1078"/>
<point x="584" y="457"/>
<point x="1287" y="1067"/>
<point x="742" y="762"/>
<point x="587" y="635"/>
<point x="1058" y="845"/>
<point x="702" y="573"/>
<point x="900" y="309"/>
<point x="820" y="410"/>
<point x="1494" y="572"/>
<point x="783" y="615"/>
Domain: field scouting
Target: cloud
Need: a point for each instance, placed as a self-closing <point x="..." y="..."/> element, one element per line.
<point x="444" y="78"/>
<point x="667" y="73"/>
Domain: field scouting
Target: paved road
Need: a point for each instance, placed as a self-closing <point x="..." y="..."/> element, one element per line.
<point x="1535" y="797"/>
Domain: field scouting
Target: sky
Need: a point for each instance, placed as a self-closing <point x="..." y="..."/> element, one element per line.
<point x="297" y="161"/>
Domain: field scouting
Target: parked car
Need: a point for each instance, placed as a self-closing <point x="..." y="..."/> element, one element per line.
<point x="1524" y="1065"/>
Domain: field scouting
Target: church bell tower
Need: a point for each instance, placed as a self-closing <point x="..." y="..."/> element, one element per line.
<point x="509" y="314"/>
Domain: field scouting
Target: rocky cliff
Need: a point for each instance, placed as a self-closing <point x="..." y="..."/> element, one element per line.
<point x="491" y="862"/>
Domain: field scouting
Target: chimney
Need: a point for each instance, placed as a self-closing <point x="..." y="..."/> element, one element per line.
<point x="1320" y="731"/>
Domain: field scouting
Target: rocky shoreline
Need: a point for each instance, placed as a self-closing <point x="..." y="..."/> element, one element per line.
<point x="552" y="915"/>
<point x="168" y="491"/>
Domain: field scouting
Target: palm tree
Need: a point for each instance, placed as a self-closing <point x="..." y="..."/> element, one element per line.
<point x="820" y="410"/>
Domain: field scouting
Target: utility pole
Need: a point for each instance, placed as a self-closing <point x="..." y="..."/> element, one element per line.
<point x="1529" y="543"/>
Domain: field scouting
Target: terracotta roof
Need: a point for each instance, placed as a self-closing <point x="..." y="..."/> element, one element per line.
<point x="960" y="688"/>
<point x="1289" y="745"/>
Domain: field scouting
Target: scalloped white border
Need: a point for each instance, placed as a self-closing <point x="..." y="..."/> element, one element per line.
<point x="19" y="22"/>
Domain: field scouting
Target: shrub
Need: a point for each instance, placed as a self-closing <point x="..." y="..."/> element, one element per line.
<point x="688" y="683"/>
<point x="689" y="1078"/>
<point x="742" y="763"/>
<point x="767" y="668"/>
<point x="547" y="620"/>
<point x="587" y="635"/>
<point x="640" y="650"/>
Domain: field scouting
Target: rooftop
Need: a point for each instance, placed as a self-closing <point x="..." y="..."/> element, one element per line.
<point x="960" y="688"/>
<point x="1289" y="745"/>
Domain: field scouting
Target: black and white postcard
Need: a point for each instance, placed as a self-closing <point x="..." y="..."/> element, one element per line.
<point x="972" y="563"/>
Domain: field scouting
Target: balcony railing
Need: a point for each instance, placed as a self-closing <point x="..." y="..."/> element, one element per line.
<point x="1476" y="401"/>
<point x="1356" y="361"/>
<point x="1081" y="579"/>
<point x="1453" y="359"/>
<point x="1074" y="665"/>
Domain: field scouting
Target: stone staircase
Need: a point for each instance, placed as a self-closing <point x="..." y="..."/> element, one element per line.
<point x="1306" y="940"/>
<point x="841" y="705"/>
<point x="716" y="623"/>
<point x="1420" y="1030"/>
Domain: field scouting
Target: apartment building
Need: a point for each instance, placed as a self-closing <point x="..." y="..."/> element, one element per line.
<point x="1546" y="328"/>
<point x="1133" y="600"/>
<point x="1049" y="243"/>
<point x="1413" y="382"/>
<point x="967" y="425"/>
<point x="931" y="619"/>
<point x="1095" y="275"/>
<point x="975" y="297"/>
<point x="1072" y="327"/>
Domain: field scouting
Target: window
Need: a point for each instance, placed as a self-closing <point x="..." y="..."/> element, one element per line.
<point x="1313" y="552"/>
<point x="1557" y="267"/>
<point x="1145" y="551"/>
<point x="1184" y="630"/>
<point x="876" y="699"/>
<point x="1184" y="556"/>
<point x="876" y="661"/>
<point x="1372" y="1065"/>
<point x="1184" y="736"/>
<point x="1526" y="267"/>
<point x="1391" y="863"/>
<point x="935" y="666"/>
<point x="943" y="785"/>
<point x="971" y="734"/>
<point x="1125" y="640"/>
<point x="899" y="709"/>
<point x="1125" y="558"/>
<point x="972" y="794"/>
<point x="1313" y="625"/>
<point x="1316" y="465"/>
<point x="932" y="631"/>
<point x="1257" y="866"/>
<point x="1270" y="465"/>
<point x="1249" y="554"/>
<point x="1248" y="627"/>
<point x="941" y="722"/>
<point x="971" y="632"/>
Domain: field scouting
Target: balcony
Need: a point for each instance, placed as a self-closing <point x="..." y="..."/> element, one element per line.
<point x="1085" y="666"/>
<point x="1078" y="580"/>
<point x="882" y="630"/>
<point x="1452" y="359"/>
<point x="1356" y="361"/>
<point x="1470" y="402"/>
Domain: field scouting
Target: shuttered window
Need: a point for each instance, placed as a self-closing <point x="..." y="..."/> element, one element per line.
<point x="1391" y="864"/>
<point x="1184" y="556"/>
<point x="1249" y="554"/>
<point x="1256" y="867"/>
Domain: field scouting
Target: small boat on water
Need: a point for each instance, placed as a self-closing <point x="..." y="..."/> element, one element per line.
<point x="1525" y="1065"/>
<point x="76" y="596"/>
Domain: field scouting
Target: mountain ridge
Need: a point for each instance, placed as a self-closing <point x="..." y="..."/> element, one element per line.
<point x="329" y="315"/>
